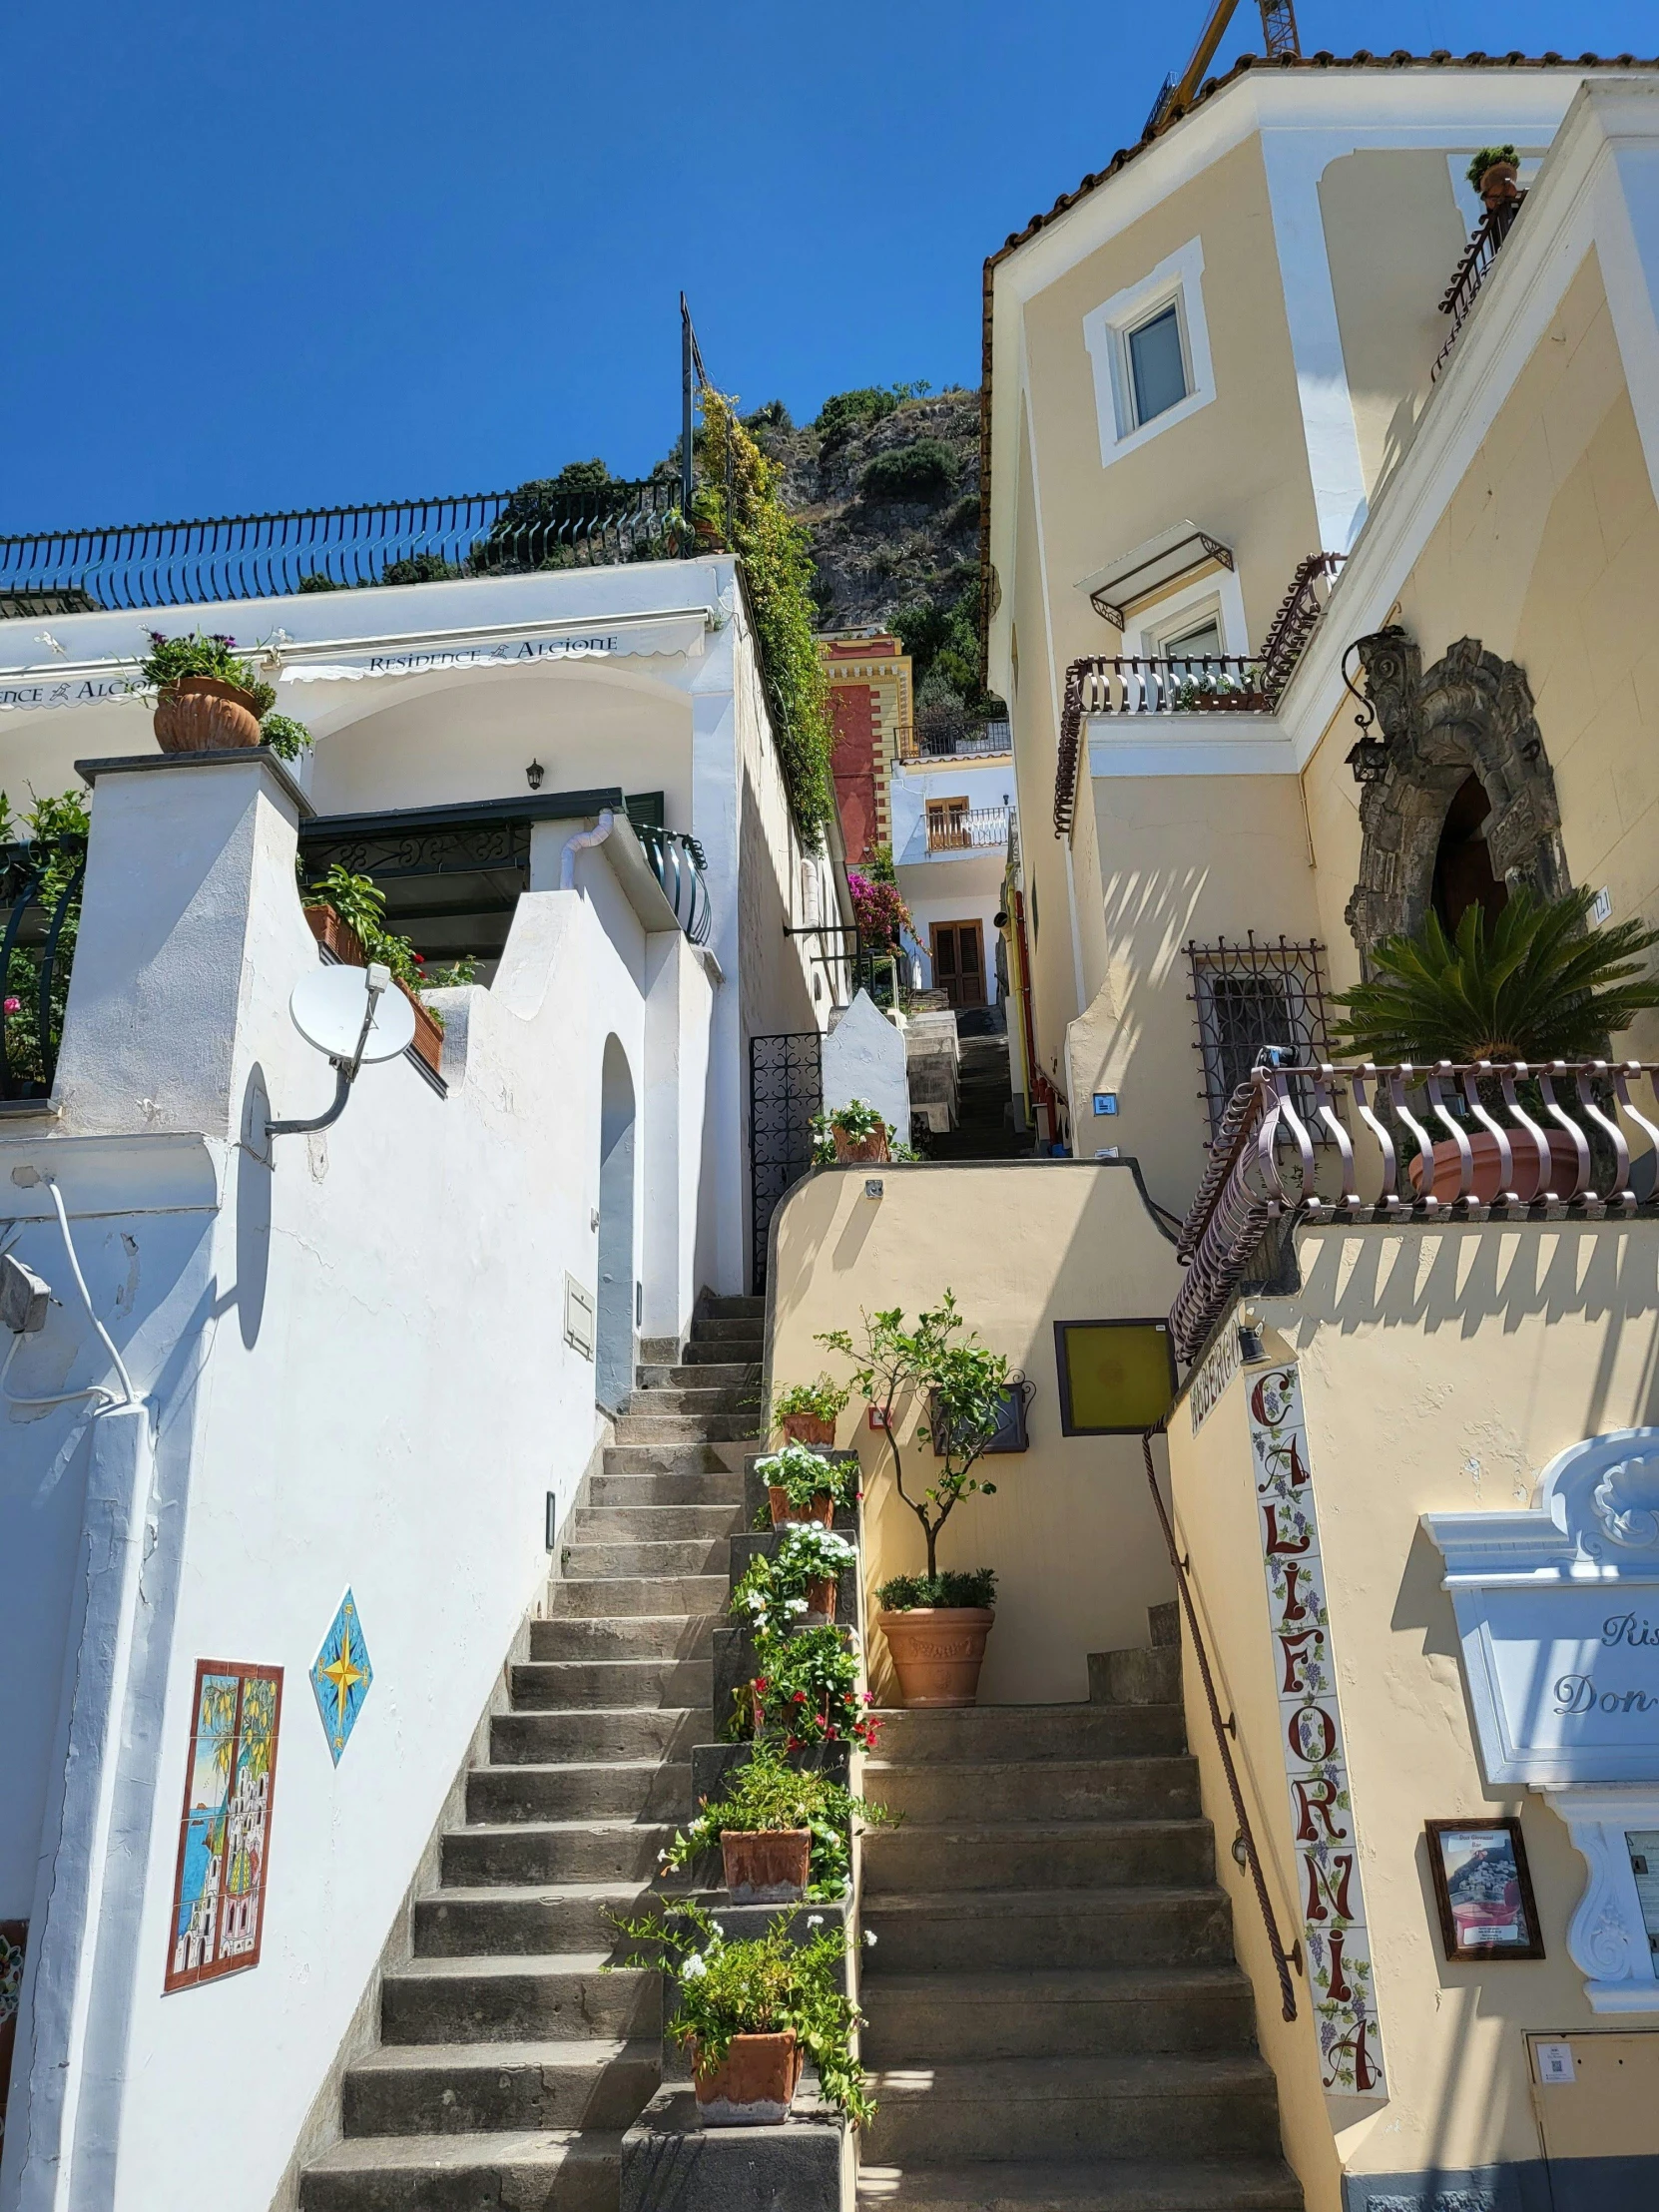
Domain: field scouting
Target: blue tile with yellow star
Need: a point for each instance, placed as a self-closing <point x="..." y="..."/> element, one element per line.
<point x="340" y="1676"/>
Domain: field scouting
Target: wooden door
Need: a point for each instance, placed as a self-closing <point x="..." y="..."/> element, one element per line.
<point x="958" y="949"/>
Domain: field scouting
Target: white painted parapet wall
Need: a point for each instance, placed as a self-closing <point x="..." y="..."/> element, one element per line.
<point x="352" y="1370"/>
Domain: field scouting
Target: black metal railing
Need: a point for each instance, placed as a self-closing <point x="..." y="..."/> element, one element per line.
<point x="677" y="862"/>
<point x="1560" y="1151"/>
<point x="40" y="905"/>
<point x="984" y="741"/>
<point x="1470" y="273"/>
<point x="504" y="533"/>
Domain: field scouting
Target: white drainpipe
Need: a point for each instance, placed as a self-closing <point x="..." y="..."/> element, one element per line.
<point x="579" y="843"/>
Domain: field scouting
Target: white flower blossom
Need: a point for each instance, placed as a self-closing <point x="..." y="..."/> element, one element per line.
<point x="869" y="1938"/>
<point x="815" y="1919"/>
<point x="693" y="1969"/>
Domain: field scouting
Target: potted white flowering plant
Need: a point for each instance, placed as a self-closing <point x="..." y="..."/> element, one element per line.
<point x="797" y="1587"/>
<point x="803" y="1485"/>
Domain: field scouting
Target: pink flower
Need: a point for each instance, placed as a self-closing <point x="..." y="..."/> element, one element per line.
<point x="14" y="1006"/>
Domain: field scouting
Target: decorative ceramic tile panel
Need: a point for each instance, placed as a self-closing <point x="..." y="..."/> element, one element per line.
<point x="225" y="1828"/>
<point x="340" y="1676"/>
<point x="1332" y="1897"/>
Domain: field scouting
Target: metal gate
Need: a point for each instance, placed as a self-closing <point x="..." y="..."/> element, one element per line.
<point x="785" y="1089"/>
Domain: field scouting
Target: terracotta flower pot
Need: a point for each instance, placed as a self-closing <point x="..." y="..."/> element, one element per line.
<point x="767" y="1866"/>
<point x="1499" y="183"/>
<point x="428" y="1036"/>
<point x="754" y="2085"/>
<point x="1563" y="1165"/>
<point x="340" y="937"/>
<point x="937" y="1651"/>
<point x="820" y="1602"/>
<point x="808" y="1428"/>
<point x="821" y="1509"/>
<point x="872" y="1147"/>
<point x="199" y="713"/>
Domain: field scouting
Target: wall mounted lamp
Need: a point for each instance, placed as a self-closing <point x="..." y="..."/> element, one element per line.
<point x="533" y="774"/>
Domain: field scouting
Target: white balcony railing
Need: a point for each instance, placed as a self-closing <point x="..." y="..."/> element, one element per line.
<point x="968" y="829"/>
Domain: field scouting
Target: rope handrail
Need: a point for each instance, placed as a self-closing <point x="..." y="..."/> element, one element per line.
<point x="1283" y="1960"/>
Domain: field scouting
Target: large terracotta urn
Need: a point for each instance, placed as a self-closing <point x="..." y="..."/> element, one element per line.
<point x="937" y="1651"/>
<point x="1563" y="1167"/>
<point x="199" y="713"/>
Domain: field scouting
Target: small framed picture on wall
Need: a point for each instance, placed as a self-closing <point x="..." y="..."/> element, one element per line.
<point x="1483" y="1889"/>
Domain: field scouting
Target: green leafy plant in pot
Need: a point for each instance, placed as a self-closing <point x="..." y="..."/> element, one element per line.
<point x="803" y="1485"/>
<point x="807" y="1412"/>
<point x="795" y="1588"/>
<point x="207" y="698"/>
<point x="936" y="1626"/>
<point x="855" y="1131"/>
<point x="752" y="2011"/>
<point x="1534" y="985"/>
<point x="783" y="1831"/>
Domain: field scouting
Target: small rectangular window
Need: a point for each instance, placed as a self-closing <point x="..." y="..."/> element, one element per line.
<point x="1157" y="369"/>
<point x="1116" y="1377"/>
<point x="1246" y="997"/>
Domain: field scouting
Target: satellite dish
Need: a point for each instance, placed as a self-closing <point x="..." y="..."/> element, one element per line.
<point x="328" y="1005"/>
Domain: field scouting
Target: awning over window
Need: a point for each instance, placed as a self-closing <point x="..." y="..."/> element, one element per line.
<point x="1163" y="560"/>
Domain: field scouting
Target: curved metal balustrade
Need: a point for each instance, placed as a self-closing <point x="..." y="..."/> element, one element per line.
<point x="417" y="541"/>
<point x="1263" y="1168"/>
<point x="678" y="862"/>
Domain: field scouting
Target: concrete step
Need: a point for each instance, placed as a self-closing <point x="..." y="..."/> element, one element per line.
<point x="984" y="1793"/>
<point x="1165" y="1623"/>
<point x="459" y="2088"/>
<point x="1123" y="2185"/>
<point x="494" y="2000"/>
<point x="540" y="2169"/>
<point x="1026" y="1732"/>
<point x="706" y="1375"/>
<point x="624" y="1596"/>
<point x="525" y="1921"/>
<point x="569" y="1685"/>
<point x="583" y="1562"/>
<point x="646" y="1522"/>
<point x="706" y="1398"/>
<point x="607" y="1789"/>
<point x="933" y="2019"/>
<point x="1007" y="1928"/>
<point x="734" y="1307"/>
<point x="658" y="1636"/>
<point x="541" y="1739"/>
<point x="1076" y="2108"/>
<point x="713" y="1461"/>
<point x="1136" y="1678"/>
<point x="728" y="1328"/>
<point x="737" y="1351"/>
<point x="518" y="1853"/>
<point x="630" y="1493"/>
<point x="1056" y="1855"/>
<point x="674" y="1428"/>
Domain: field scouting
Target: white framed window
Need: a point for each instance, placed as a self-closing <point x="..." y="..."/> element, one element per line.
<point x="1149" y="346"/>
<point x="1193" y="619"/>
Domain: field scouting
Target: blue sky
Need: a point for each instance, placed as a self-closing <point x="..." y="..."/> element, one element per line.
<point x="338" y="249"/>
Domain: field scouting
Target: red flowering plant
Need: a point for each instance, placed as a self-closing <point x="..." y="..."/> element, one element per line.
<point x="806" y="1691"/>
<point x="879" y="911"/>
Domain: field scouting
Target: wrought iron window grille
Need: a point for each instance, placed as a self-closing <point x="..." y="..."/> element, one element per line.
<point x="1253" y="999"/>
<point x="785" y="1089"/>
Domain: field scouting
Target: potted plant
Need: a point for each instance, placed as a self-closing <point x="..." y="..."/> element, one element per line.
<point x="854" y="1131"/>
<point x="936" y="1626"/>
<point x="1495" y="173"/>
<point x="803" y="1485"/>
<point x="783" y="1831"/>
<point x="346" y="913"/>
<point x="210" y="699"/>
<point x="806" y="1692"/>
<point x="1534" y="984"/>
<point x="752" y="2011"/>
<point x="807" y="1412"/>
<point x="797" y="1587"/>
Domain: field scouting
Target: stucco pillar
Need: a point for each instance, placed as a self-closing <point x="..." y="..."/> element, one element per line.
<point x="185" y="848"/>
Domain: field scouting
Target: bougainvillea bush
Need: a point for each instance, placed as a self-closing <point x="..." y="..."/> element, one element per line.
<point x="879" y="911"/>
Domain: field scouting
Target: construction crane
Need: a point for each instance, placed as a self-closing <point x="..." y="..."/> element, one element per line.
<point x="1278" y="33"/>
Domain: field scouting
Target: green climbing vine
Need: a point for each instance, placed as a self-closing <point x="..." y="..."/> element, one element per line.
<point x="775" y="553"/>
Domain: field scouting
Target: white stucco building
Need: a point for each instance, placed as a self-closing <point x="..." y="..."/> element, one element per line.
<point x="951" y="815"/>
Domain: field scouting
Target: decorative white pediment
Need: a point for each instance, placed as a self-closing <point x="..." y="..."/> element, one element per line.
<point x="1557" y="1613"/>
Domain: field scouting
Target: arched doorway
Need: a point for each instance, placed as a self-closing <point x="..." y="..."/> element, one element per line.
<point x="1463" y="876"/>
<point x="614" y="1342"/>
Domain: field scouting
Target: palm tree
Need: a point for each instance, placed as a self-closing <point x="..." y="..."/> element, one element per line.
<point x="1534" y="984"/>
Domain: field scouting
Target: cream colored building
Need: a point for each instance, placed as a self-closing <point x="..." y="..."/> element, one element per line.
<point x="1220" y="391"/>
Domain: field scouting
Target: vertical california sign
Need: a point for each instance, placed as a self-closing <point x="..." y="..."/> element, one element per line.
<point x="1331" y="1895"/>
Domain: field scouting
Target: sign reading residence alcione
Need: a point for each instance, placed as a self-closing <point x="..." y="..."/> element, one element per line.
<point x="678" y="633"/>
<point x="1334" y="1941"/>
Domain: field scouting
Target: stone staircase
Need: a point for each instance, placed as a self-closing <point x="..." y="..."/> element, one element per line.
<point x="1056" y="2022"/>
<point x="509" y="2063"/>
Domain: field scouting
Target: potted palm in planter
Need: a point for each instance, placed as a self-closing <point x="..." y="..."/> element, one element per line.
<point x="1533" y="984"/>
<point x="936" y="1625"/>
<point x="783" y="1831"/>
<point x="807" y="1412"/>
<point x="803" y="1485"/>
<point x="752" y="2011"/>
